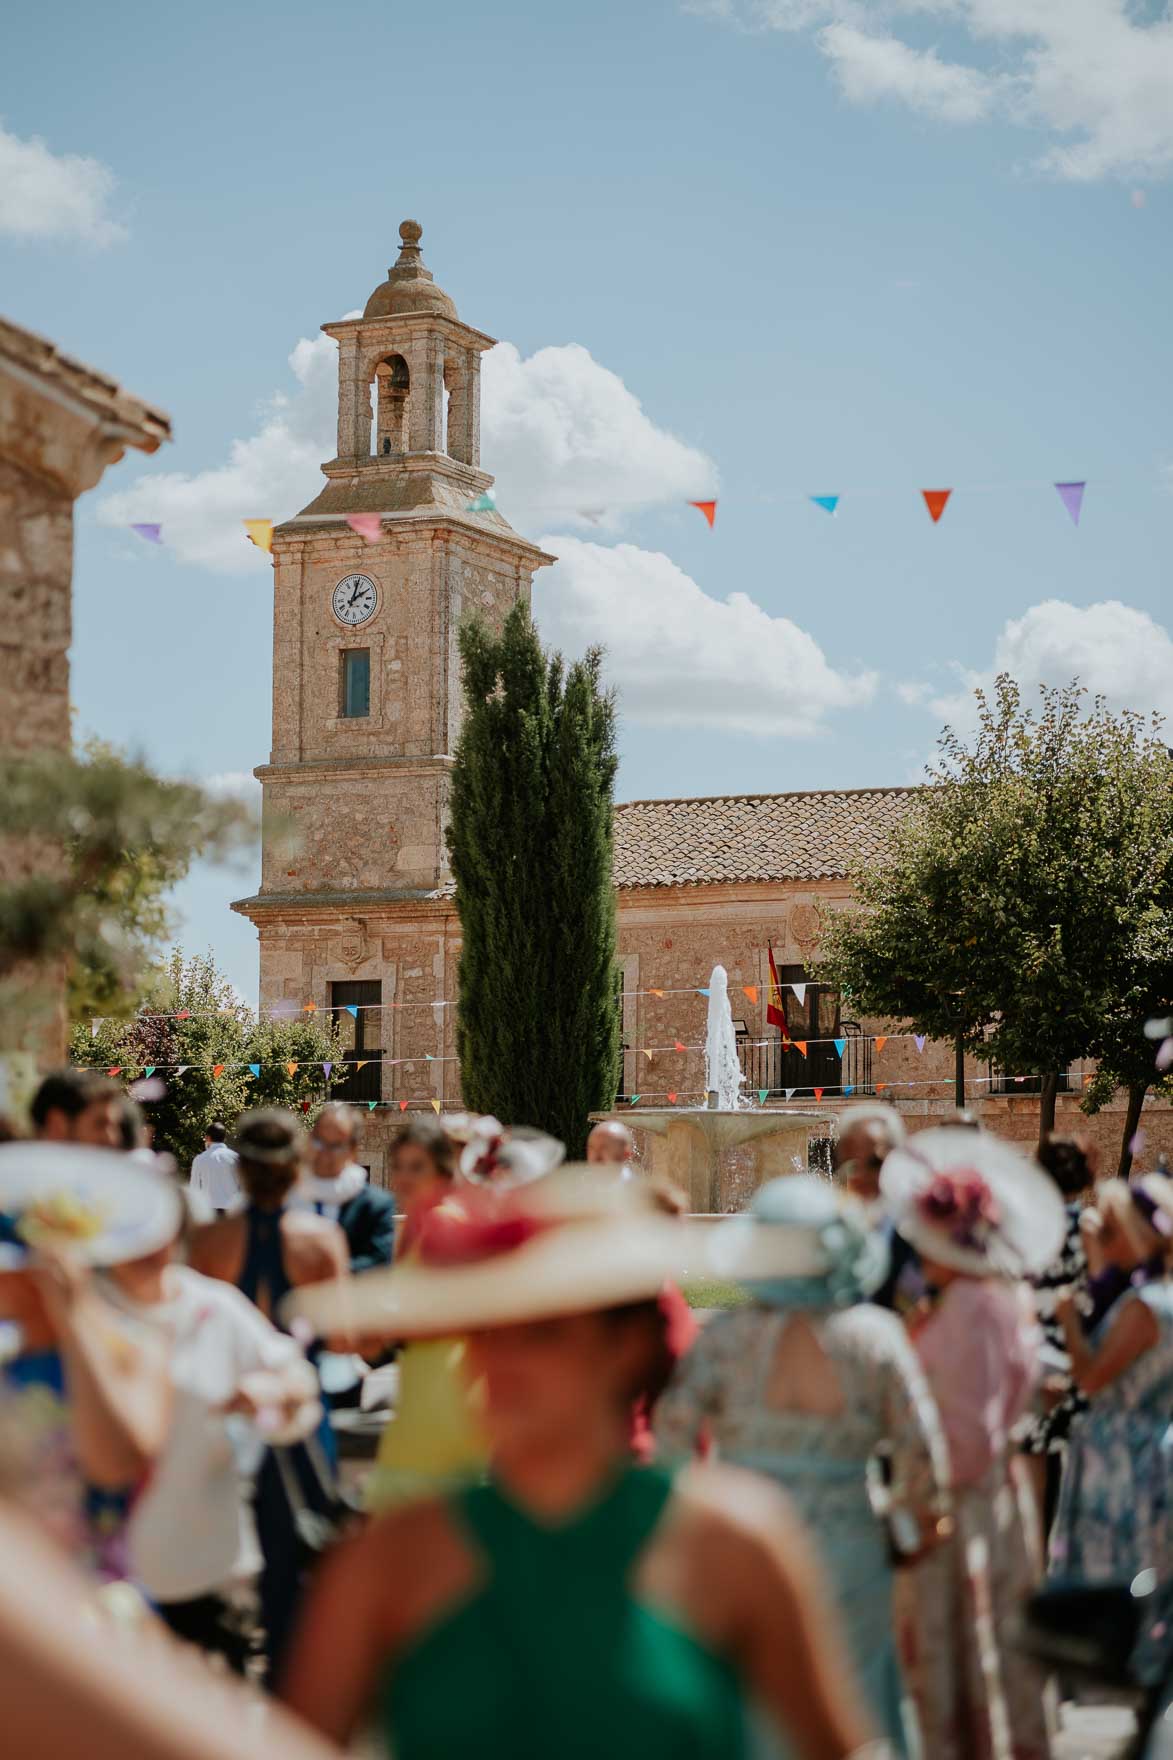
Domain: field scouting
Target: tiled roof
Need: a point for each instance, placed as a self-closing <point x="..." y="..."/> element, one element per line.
<point x="808" y="836"/>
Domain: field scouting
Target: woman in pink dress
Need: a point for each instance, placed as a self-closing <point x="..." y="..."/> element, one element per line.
<point x="982" y="1217"/>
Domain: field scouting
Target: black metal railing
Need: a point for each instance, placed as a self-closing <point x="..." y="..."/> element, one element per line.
<point x="774" y="1066"/>
<point x="1001" y="1083"/>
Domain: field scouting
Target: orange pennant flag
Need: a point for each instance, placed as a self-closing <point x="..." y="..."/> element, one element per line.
<point x="292" y="1068"/>
<point x="818" y="1093"/>
<point x="679" y="1046"/>
<point x="880" y="1086"/>
<point x="403" y="1106"/>
<point x="310" y="1008"/>
<point x="672" y="1099"/>
<point x="217" y="1071"/>
<point x="800" y="1045"/>
<point x="935" y="500"/>
<point x="750" y="990"/>
<point x="881" y="1041"/>
<point x="659" y="993"/>
<point x="116" y="1071"/>
<point x="708" y="508"/>
<point x="436" y="1107"/>
<point x="260" y="533"/>
<point x="184" y="1014"/>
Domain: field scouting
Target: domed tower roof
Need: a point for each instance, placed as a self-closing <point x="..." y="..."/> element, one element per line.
<point x="409" y="286"/>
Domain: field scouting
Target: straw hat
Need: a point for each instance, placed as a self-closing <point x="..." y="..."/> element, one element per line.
<point x="975" y="1203"/>
<point x="805" y="1245"/>
<point x="104" y="1207"/>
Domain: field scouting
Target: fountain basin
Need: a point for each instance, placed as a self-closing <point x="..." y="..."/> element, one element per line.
<point x="688" y="1143"/>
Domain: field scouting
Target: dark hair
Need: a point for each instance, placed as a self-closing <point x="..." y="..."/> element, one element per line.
<point x="1066" y="1162"/>
<point x="652" y="1318"/>
<point x="270" y="1145"/>
<point x="427" y="1134"/>
<point x="132" y="1124"/>
<point x="71" y="1091"/>
<point x="216" y="1132"/>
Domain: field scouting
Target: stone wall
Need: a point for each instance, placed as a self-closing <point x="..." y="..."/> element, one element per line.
<point x="36" y="614"/>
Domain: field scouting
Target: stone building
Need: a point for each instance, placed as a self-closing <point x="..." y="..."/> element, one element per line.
<point x="62" y="425"/>
<point x="355" y="910"/>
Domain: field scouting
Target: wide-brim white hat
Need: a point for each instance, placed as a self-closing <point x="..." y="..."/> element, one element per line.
<point x="103" y="1207"/>
<point x="1029" y="1218"/>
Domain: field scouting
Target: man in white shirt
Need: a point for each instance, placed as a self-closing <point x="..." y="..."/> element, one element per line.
<point x="213" y="1173"/>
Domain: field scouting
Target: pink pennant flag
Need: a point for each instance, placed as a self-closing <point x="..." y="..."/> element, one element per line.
<point x="367" y="525"/>
<point x="1165" y="1055"/>
<point x="1071" y="495"/>
<point x="920" y="1040"/>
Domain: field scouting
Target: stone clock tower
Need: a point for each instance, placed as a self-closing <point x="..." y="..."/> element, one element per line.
<point x="354" y="895"/>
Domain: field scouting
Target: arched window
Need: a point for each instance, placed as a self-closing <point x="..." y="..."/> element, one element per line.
<point x="392" y="395"/>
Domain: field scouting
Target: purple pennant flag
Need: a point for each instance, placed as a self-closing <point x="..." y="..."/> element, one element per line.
<point x="326" y="1068"/>
<point x="1071" y="495"/>
<point x="920" y="1040"/>
<point x="152" y="534"/>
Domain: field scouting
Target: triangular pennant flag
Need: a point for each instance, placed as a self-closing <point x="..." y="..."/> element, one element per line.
<point x="184" y="1014"/>
<point x="850" y="1088"/>
<point x="880" y="1086"/>
<point x="672" y="1099"/>
<point x="800" y="1045"/>
<point x="291" y="1068"/>
<point x="679" y="1046"/>
<point x="827" y="502"/>
<point x="881" y="1041"/>
<point x="841" y="1046"/>
<point x="403" y="1106"/>
<point x="362" y="1063"/>
<point x="217" y="1071"/>
<point x="95" y="1026"/>
<point x="485" y="502"/>
<point x="371" y="1104"/>
<point x="935" y="500"/>
<point x="790" y="1093"/>
<point x="634" y="1099"/>
<point x="708" y="508"/>
<point x="659" y="993"/>
<point x="352" y="1009"/>
<point x="800" y="993"/>
<point x="309" y="1008"/>
<point x="920" y="1040"/>
<point x="436" y="1107"/>
<point x="305" y="1105"/>
<point x="326" y="1068"/>
<point x="763" y="1096"/>
<point x="649" y="1055"/>
<point x="260" y="533"/>
<point x="428" y="1058"/>
<point x="152" y="534"/>
<point x="704" y="991"/>
<point x="150" y="1069"/>
<point x="367" y="525"/>
<point x="1071" y="495"/>
<point x="818" y="1093"/>
<point x="254" y="1069"/>
<point x="182" y="1069"/>
<point x="750" y="990"/>
<point x="115" y="1070"/>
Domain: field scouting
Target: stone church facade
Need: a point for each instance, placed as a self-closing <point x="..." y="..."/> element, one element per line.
<point x="355" y="910"/>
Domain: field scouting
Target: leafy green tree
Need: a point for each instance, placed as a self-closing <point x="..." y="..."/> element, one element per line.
<point x="218" y="1031"/>
<point x="1007" y="910"/>
<point x="95" y="844"/>
<point x="531" y="838"/>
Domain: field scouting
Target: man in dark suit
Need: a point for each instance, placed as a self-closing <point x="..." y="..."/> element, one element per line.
<point x="338" y="1188"/>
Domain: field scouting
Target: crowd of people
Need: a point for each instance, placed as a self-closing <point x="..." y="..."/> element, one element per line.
<point x="592" y="1521"/>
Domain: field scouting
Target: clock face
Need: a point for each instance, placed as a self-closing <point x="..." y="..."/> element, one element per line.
<point x="355" y="599"/>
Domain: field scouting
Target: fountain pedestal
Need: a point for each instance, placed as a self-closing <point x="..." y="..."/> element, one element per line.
<point x="687" y="1146"/>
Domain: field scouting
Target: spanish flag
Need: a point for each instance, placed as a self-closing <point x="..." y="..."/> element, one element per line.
<point x="775" y="1007"/>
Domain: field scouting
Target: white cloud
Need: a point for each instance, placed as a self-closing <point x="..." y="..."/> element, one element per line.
<point x="1114" y="650"/>
<point x="233" y="785"/>
<point x="47" y="195"/>
<point x="1092" y="74"/>
<point x="569" y="443"/>
<point x="681" y="658"/>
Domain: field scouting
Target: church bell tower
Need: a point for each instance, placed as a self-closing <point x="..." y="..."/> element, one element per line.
<point x="366" y="671"/>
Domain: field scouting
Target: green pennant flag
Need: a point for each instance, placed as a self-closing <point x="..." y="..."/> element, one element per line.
<point x="150" y="1069"/>
<point x="371" y="1104"/>
<point x="483" y="503"/>
<point x="763" y="1095"/>
<point x="634" y="1099"/>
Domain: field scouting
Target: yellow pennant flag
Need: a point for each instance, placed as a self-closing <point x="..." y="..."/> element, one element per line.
<point x="260" y="533"/>
<point x="363" y="1063"/>
<point x="436" y="1107"/>
<point x="648" y="1055"/>
<point x="292" y="1068"/>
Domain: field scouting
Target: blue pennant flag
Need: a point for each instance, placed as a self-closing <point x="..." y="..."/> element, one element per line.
<point x="841" y="1046"/>
<point x="702" y="992"/>
<point x="352" y="1009"/>
<point x="254" y="1069"/>
<point x="850" y="1088"/>
<point x="827" y="502"/>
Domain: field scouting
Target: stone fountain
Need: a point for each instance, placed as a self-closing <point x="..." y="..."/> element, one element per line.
<point x="688" y="1141"/>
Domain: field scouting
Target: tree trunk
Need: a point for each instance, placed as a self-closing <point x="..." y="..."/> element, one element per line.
<point x="1136" y="1094"/>
<point x="1047" y="1095"/>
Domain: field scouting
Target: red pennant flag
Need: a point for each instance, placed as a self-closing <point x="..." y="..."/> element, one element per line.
<point x="750" y="990"/>
<point x="403" y="1106"/>
<point x="217" y="1071"/>
<point x="775" y="1007"/>
<point x="935" y="500"/>
<point x="708" y="508"/>
<point x="679" y="1046"/>
<point x="116" y="1071"/>
<point x="672" y="1099"/>
<point x="880" y="1086"/>
<point x="184" y="1014"/>
<point x="881" y="1041"/>
<point x="305" y="1105"/>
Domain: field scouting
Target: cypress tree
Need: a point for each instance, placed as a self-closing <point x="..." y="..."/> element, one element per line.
<point x="531" y="839"/>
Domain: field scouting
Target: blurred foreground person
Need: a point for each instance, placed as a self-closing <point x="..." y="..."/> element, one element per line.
<point x="574" y="1605"/>
<point x="77" y="1106"/>
<point x="806" y="1386"/>
<point x="72" y="1686"/>
<point x="238" y="1383"/>
<point x="266" y="1250"/>
<point x="610" y="1141"/>
<point x="1115" y="1514"/>
<point x="982" y="1217"/>
<point x="84" y="1398"/>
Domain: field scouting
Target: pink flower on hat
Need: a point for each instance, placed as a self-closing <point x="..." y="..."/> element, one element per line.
<point x="961" y="1205"/>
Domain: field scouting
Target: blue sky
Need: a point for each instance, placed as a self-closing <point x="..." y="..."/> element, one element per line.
<point x="828" y="245"/>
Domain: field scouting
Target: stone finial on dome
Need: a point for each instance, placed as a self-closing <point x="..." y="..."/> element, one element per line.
<point x="409" y="287"/>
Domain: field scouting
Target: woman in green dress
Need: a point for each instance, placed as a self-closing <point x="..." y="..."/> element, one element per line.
<point x="575" y="1605"/>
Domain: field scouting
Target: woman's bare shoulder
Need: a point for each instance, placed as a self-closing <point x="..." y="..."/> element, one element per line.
<point x="415" y="1561"/>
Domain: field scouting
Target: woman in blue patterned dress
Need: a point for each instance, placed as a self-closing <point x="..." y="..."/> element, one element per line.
<point x="1116" y="1501"/>
<point x="807" y="1386"/>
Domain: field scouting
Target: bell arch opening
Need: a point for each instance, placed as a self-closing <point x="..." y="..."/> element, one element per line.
<point x="389" y="429"/>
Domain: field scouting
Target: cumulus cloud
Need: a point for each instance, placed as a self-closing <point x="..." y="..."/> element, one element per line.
<point x="47" y="195"/>
<point x="681" y="658"/>
<point x="1092" y="74"/>
<point x="566" y="438"/>
<point x="1113" y="649"/>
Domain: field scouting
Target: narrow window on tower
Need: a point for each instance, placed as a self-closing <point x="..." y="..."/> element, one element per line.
<point x="356" y="682"/>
